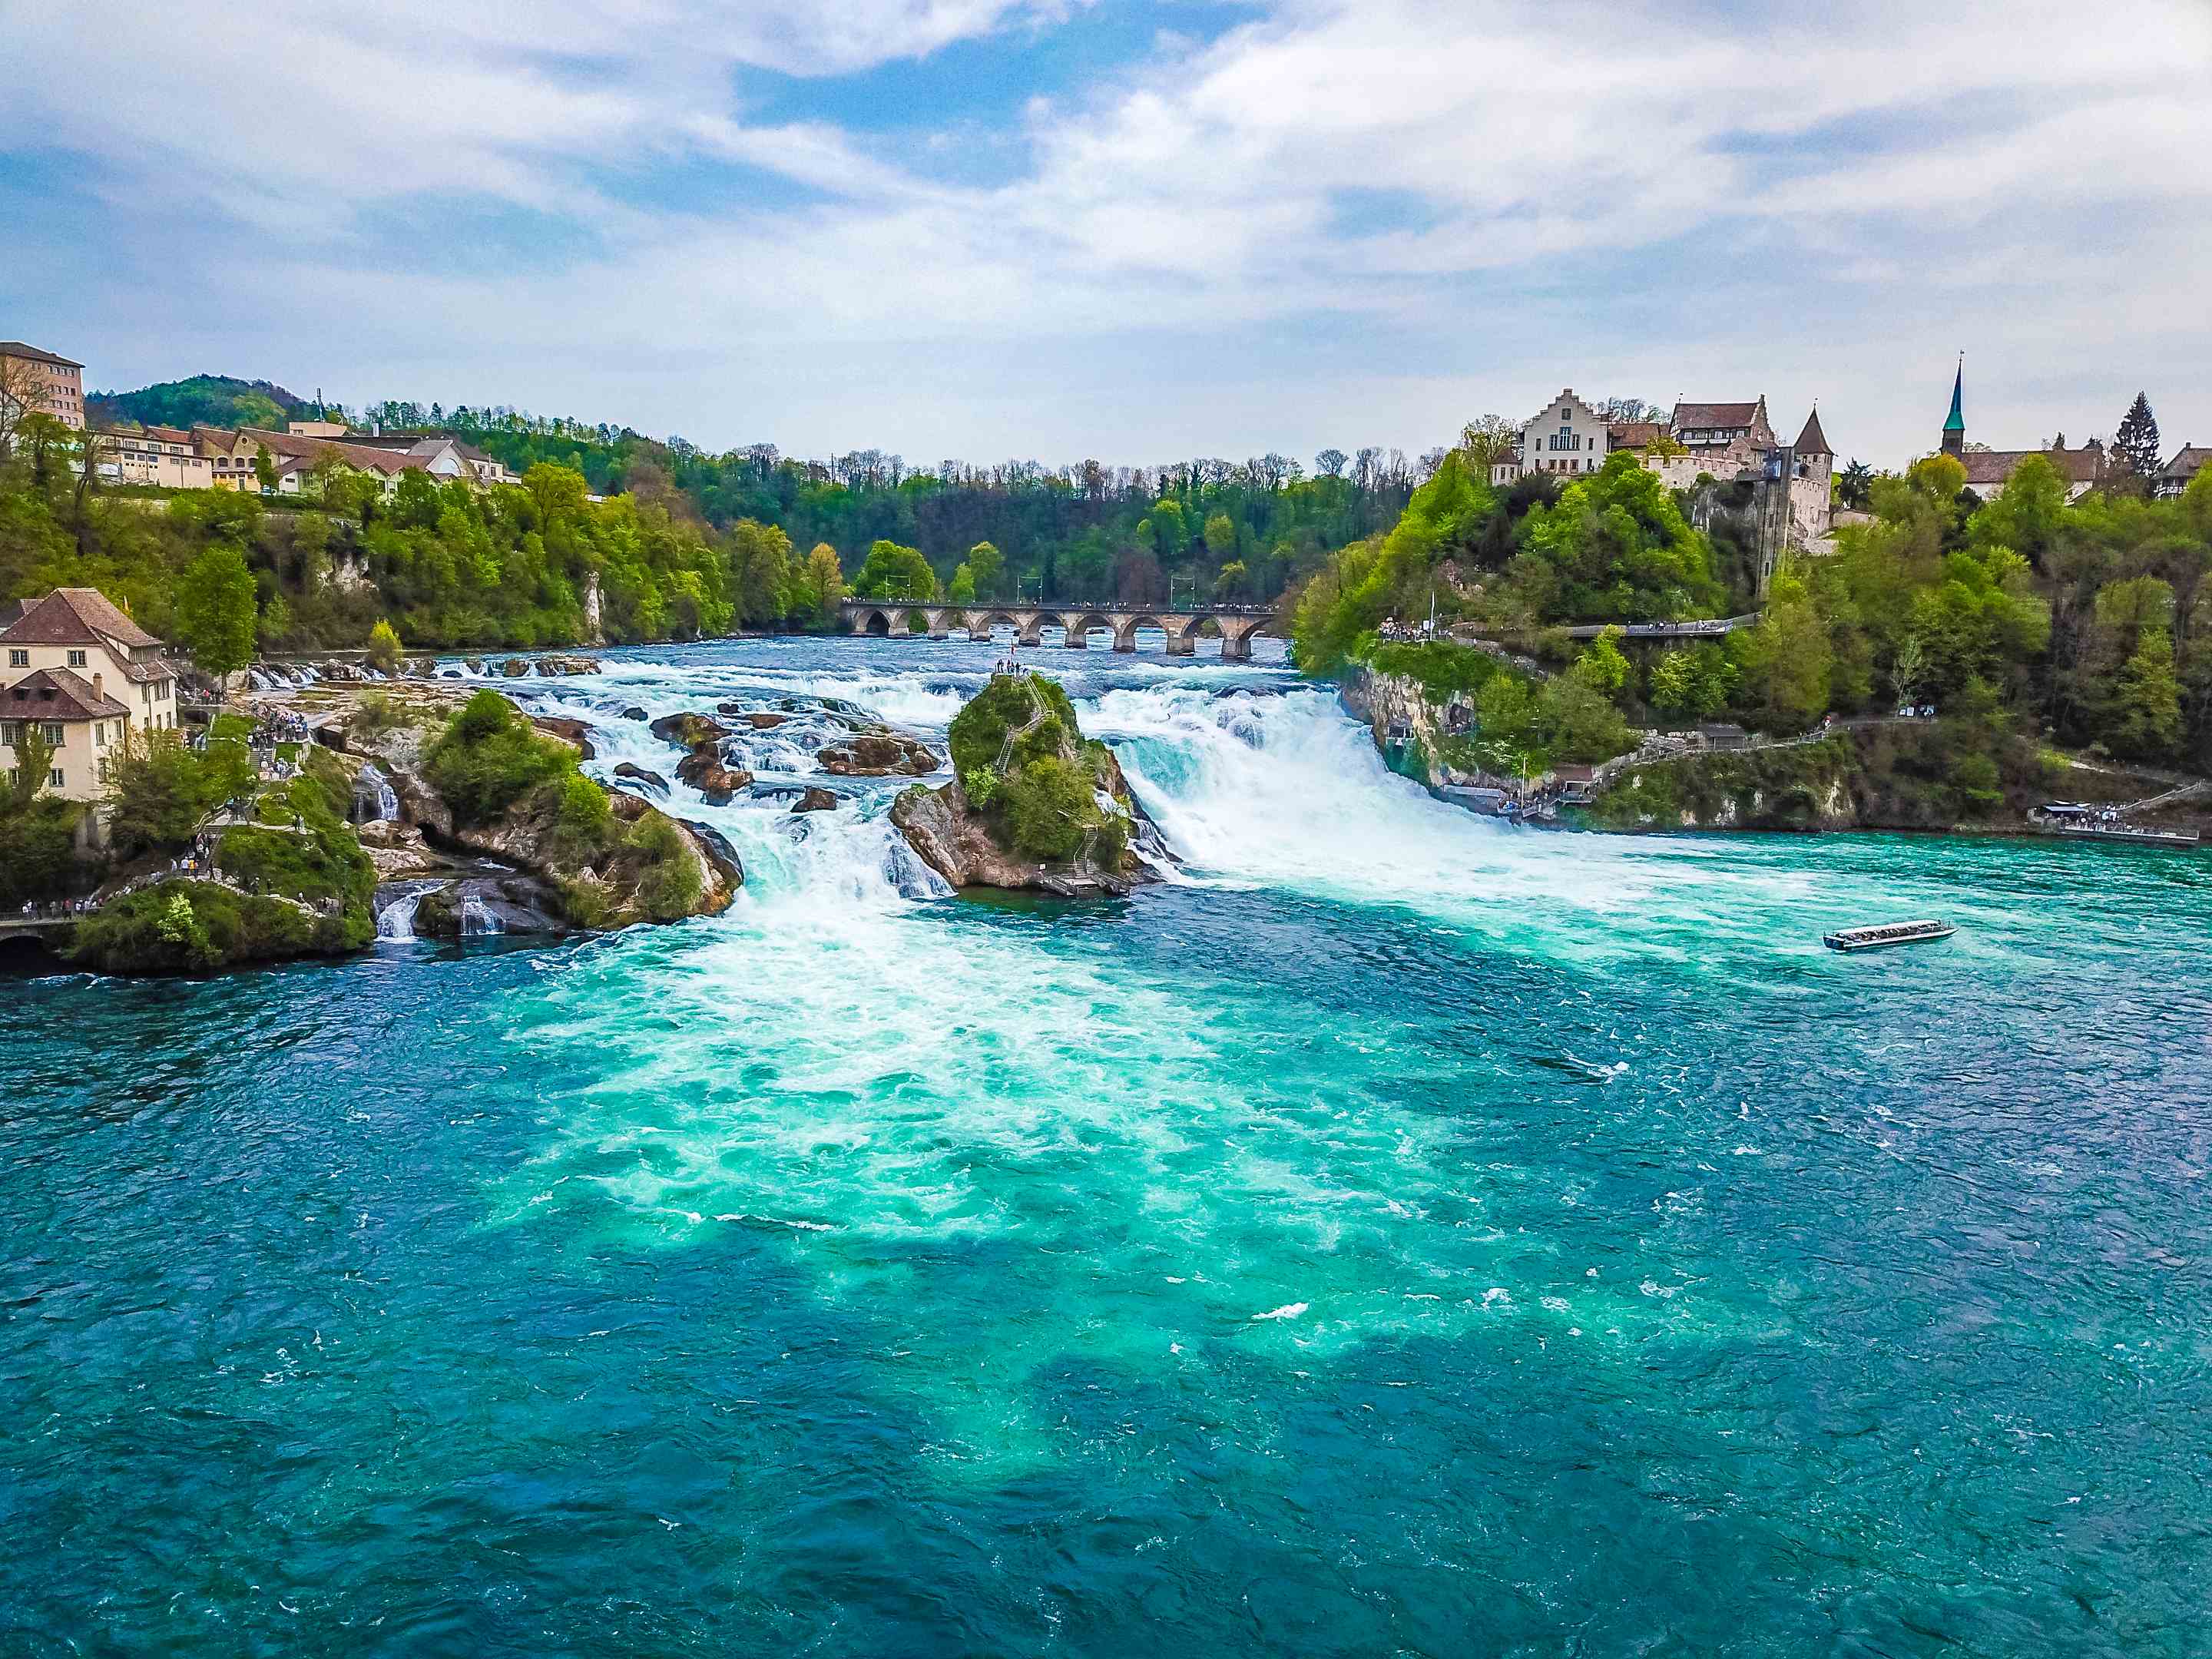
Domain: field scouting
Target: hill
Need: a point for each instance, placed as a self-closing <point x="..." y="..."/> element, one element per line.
<point x="204" y="399"/>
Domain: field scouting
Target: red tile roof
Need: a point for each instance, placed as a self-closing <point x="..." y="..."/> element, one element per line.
<point x="77" y="615"/>
<point x="56" y="694"/>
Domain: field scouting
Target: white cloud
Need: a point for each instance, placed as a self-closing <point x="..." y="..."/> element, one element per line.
<point x="1581" y="192"/>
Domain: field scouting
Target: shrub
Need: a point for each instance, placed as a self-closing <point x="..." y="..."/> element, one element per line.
<point x="489" y="757"/>
<point x="193" y="927"/>
<point x="669" y="884"/>
<point x="978" y="734"/>
<point x="1048" y="805"/>
<point x="1442" y="668"/>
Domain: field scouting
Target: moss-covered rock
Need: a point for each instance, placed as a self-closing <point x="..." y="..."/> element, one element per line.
<point x="1033" y="805"/>
<point x="200" y="926"/>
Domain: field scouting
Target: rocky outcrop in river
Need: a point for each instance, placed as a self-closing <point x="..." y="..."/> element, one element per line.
<point x="1032" y="805"/>
<point x="596" y="858"/>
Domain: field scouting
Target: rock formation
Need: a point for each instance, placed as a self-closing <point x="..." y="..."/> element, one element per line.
<point x="1032" y="804"/>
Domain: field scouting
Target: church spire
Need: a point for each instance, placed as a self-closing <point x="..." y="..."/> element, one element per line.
<point x="1955" y="429"/>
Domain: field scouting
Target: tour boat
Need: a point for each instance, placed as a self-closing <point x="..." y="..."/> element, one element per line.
<point x="1887" y="934"/>
<point x="2129" y="832"/>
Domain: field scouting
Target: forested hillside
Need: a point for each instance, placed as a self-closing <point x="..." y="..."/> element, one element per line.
<point x="2021" y="618"/>
<point x="203" y="400"/>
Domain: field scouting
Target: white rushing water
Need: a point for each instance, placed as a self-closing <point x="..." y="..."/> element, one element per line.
<point x="376" y="788"/>
<point x="1255" y="779"/>
<point x="397" y="919"/>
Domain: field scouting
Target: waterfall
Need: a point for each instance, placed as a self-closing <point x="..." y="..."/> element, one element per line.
<point x="477" y="919"/>
<point x="396" y="919"/>
<point x="373" y="786"/>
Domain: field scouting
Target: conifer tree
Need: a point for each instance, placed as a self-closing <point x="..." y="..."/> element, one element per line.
<point x="2135" y="445"/>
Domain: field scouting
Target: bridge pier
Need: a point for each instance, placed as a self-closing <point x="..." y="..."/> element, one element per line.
<point x="1124" y="637"/>
<point x="1184" y="644"/>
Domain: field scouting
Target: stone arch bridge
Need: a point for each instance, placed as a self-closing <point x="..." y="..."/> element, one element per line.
<point x="1237" y="624"/>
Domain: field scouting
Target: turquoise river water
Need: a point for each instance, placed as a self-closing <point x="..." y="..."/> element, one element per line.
<point x="1399" y="1234"/>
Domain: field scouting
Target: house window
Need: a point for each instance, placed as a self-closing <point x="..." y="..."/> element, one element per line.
<point x="18" y="659"/>
<point x="55" y="733"/>
<point x="11" y="733"/>
<point x="54" y="777"/>
<point x="76" y="659"/>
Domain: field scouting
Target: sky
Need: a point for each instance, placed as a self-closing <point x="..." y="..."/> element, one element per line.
<point x="1136" y="230"/>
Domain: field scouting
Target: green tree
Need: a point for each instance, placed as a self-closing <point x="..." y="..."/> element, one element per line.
<point x="264" y="468"/>
<point x="2135" y="445"/>
<point x="761" y="572"/>
<point x="962" y="588"/>
<point x="1221" y="537"/>
<point x="2146" y="717"/>
<point x="216" y="612"/>
<point x="1786" y="659"/>
<point x="384" y="646"/>
<point x="1602" y="666"/>
<point x="825" y="582"/>
<point x="893" y="572"/>
<point x="986" y="565"/>
<point x="159" y="791"/>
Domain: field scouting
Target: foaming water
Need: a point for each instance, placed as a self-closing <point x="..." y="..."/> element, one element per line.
<point x="1399" y="1234"/>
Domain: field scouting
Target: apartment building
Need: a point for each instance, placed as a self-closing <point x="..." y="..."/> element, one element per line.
<point x="38" y="382"/>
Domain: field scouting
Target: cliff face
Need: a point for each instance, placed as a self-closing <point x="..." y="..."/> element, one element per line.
<point x="1811" y="788"/>
<point x="1409" y="730"/>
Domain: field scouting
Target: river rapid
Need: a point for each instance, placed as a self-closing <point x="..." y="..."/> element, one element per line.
<point x="1397" y="1234"/>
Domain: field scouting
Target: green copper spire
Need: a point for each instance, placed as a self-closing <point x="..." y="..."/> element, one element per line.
<point x="1955" y="429"/>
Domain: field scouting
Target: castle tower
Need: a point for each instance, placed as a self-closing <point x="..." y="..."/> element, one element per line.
<point x="1955" y="429"/>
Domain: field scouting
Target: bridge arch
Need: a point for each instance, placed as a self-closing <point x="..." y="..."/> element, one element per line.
<point x="1079" y="624"/>
<point x="877" y="621"/>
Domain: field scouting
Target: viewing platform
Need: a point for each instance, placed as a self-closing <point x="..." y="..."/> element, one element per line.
<point x="1237" y="624"/>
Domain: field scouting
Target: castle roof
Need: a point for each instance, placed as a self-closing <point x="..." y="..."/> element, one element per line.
<point x="1958" y="420"/>
<point x="1704" y="416"/>
<point x="1811" y="440"/>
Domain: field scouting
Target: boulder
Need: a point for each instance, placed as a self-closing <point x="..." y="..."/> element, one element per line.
<point x="719" y="852"/>
<point x="556" y="667"/>
<point x="816" y="799"/>
<point x="514" y="668"/>
<point x="474" y="665"/>
<point x="568" y="731"/>
<point x="703" y="769"/>
<point x="633" y="713"/>
<point x="688" y="731"/>
<point x="880" y="753"/>
<point x="639" y="774"/>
